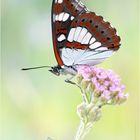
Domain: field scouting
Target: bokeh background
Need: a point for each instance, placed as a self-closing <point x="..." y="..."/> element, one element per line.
<point x="36" y="104"/>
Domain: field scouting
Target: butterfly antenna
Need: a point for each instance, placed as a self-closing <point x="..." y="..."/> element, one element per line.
<point x="32" y="68"/>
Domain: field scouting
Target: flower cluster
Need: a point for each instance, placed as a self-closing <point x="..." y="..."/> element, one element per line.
<point x="99" y="87"/>
<point x="104" y="84"/>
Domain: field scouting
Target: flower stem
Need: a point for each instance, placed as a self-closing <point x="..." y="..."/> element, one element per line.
<point x="84" y="128"/>
<point x="85" y="97"/>
<point x="80" y="132"/>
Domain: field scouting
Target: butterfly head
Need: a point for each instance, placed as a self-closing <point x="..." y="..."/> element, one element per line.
<point x="56" y="70"/>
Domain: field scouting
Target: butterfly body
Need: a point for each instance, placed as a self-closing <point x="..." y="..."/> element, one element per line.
<point x="80" y="37"/>
<point x="63" y="70"/>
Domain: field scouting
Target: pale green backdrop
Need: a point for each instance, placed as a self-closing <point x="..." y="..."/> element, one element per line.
<point x="36" y="104"/>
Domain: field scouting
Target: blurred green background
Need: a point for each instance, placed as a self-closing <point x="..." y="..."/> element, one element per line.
<point x="36" y="104"/>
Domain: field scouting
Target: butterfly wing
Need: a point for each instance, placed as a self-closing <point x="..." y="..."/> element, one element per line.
<point x="63" y="14"/>
<point x="90" y="40"/>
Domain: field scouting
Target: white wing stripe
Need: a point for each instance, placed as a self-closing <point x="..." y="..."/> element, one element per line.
<point x="61" y="37"/>
<point x="92" y="40"/>
<point x="102" y="49"/>
<point x="56" y="17"/>
<point x="66" y="16"/>
<point x="95" y="45"/>
<point x="71" y="35"/>
<point x="72" y="17"/>
<point x="61" y="16"/>
<point x="77" y="32"/>
<point x="82" y="34"/>
<point x="86" y="38"/>
<point x="60" y="1"/>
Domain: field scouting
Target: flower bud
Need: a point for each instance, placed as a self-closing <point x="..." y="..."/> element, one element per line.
<point x="89" y="112"/>
<point x="84" y="84"/>
<point x="104" y="99"/>
<point x="113" y="94"/>
<point x="81" y="111"/>
<point x="79" y="78"/>
<point x="94" y="114"/>
<point x="98" y="115"/>
<point x="91" y="87"/>
<point x="97" y="93"/>
<point x="121" y="98"/>
<point x="89" y="107"/>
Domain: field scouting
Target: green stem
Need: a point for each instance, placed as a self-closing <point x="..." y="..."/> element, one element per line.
<point x="85" y="97"/>
<point x="88" y="100"/>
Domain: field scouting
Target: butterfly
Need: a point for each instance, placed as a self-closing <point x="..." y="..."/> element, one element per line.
<point x="80" y="37"/>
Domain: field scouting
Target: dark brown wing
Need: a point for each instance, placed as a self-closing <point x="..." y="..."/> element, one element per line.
<point x="63" y="13"/>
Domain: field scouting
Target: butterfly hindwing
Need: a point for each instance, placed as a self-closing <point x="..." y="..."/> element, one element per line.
<point x="90" y="40"/>
<point x="88" y="29"/>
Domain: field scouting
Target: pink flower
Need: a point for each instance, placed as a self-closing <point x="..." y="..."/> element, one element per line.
<point x="106" y="95"/>
<point x="106" y="82"/>
<point x="85" y="71"/>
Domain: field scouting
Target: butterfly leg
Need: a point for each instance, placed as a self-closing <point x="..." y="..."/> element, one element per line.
<point x="69" y="80"/>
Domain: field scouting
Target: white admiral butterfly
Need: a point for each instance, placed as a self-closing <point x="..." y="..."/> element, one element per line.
<point x="80" y="37"/>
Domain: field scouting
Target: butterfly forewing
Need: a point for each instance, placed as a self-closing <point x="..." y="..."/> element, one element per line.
<point x="63" y="13"/>
<point x="90" y="31"/>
